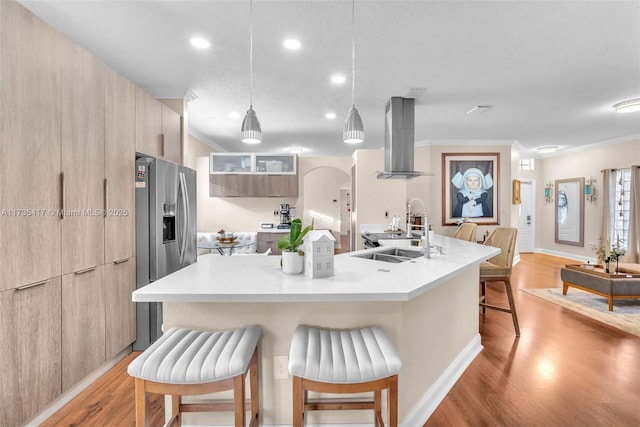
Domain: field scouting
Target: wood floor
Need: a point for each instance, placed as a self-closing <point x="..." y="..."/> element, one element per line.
<point x="564" y="370"/>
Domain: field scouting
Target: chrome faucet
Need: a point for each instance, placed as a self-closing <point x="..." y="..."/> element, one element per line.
<point x="425" y="226"/>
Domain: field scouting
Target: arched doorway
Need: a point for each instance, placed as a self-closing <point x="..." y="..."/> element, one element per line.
<point x="323" y="201"/>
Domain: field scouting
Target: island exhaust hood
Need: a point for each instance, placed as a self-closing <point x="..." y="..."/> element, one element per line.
<point x="399" y="134"/>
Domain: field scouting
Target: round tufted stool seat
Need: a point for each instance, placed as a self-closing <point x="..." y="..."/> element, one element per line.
<point x="186" y="362"/>
<point x="344" y="361"/>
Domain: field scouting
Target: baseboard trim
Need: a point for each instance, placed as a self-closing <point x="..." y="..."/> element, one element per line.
<point x="66" y="397"/>
<point x="566" y="255"/>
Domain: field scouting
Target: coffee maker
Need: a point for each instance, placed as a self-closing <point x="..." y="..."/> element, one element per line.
<point x="285" y="216"/>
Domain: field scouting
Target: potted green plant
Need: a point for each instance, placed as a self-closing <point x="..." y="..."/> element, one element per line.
<point x="292" y="257"/>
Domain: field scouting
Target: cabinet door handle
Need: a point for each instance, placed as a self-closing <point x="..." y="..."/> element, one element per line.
<point x="162" y="144"/>
<point x="31" y="285"/>
<point x="86" y="270"/>
<point x="120" y="261"/>
<point x="61" y="195"/>
<point x="105" y="196"/>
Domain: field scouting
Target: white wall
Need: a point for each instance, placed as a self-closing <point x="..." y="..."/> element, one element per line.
<point x="432" y="157"/>
<point x="322" y="197"/>
<point x="586" y="163"/>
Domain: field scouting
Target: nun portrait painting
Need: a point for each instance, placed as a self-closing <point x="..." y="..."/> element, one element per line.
<point x="470" y="188"/>
<point x="474" y="188"/>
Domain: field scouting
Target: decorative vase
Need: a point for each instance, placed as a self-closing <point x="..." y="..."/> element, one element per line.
<point x="292" y="263"/>
<point x="606" y="265"/>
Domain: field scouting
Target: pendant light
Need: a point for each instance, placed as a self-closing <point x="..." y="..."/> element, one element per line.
<point x="251" y="132"/>
<point x="353" y="132"/>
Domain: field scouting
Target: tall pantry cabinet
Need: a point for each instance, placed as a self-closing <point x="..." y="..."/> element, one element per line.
<point x="30" y="188"/>
<point x="67" y="220"/>
<point x="30" y="234"/>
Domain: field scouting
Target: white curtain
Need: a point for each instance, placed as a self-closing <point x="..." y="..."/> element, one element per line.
<point x="633" y="246"/>
<point x="608" y="204"/>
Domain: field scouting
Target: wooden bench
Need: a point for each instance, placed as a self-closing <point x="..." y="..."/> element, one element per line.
<point x="625" y="284"/>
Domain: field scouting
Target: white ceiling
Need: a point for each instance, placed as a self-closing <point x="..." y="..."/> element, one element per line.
<point x="551" y="69"/>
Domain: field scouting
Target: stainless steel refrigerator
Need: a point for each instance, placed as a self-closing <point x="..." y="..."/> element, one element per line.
<point x="165" y="233"/>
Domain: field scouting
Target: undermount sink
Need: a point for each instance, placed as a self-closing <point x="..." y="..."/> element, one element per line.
<point x="394" y="255"/>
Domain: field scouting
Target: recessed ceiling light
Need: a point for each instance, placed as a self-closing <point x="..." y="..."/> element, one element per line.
<point x="234" y="115"/>
<point x="200" y="43"/>
<point x="330" y="115"/>
<point x="630" y="106"/>
<point x="296" y="150"/>
<point x="338" y="79"/>
<point x="547" y="149"/>
<point x="292" y="44"/>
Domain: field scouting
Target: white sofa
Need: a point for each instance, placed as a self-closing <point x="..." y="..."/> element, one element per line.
<point x="242" y="237"/>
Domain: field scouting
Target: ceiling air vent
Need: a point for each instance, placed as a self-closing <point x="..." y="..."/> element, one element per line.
<point x="415" y="92"/>
<point x="479" y="109"/>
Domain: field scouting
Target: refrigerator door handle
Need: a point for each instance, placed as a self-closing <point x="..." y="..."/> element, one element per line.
<point x="184" y="219"/>
<point x="187" y="215"/>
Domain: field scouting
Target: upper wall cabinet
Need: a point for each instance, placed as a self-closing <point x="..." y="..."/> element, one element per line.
<point x="171" y="134"/>
<point x="158" y="128"/>
<point x="30" y="191"/>
<point x="119" y="167"/>
<point x="82" y="160"/>
<point x="244" y="163"/>
<point x="253" y="175"/>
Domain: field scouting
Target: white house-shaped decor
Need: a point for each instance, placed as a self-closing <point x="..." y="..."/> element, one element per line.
<point x="319" y="248"/>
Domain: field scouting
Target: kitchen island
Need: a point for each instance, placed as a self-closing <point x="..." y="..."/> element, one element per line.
<point x="429" y="308"/>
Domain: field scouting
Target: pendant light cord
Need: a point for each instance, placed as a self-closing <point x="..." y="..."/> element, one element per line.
<point x="353" y="52"/>
<point x="251" y="53"/>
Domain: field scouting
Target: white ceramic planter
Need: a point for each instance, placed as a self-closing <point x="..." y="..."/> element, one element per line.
<point x="292" y="263"/>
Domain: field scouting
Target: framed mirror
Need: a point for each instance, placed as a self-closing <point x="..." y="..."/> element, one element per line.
<point x="570" y="211"/>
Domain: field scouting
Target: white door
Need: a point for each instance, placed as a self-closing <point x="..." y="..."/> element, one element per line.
<point x="526" y="221"/>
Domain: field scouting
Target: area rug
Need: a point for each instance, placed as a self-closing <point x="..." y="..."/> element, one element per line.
<point x="625" y="314"/>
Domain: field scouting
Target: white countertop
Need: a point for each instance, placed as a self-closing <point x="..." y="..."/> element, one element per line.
<point x="259" y="278"/>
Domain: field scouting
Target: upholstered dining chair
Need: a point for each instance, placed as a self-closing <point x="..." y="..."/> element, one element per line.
<point x="466" y="231"/>
<point x="498" y="269"/>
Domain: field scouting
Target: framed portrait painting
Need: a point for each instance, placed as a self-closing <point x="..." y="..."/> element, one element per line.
<point x="470" y="190"/>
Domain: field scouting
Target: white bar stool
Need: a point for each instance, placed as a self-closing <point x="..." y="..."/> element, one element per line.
<point x="185" y="362"/>
<point x="344" y="361"/>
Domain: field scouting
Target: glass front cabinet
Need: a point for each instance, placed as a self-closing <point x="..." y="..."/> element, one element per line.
<point x="248" y="163"/>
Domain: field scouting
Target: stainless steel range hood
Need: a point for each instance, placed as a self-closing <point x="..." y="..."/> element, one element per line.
<point x="399" y="134"/>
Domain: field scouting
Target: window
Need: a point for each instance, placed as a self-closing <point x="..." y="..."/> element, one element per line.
<point x="526" y="164"/>
<point x="620" y="230"/>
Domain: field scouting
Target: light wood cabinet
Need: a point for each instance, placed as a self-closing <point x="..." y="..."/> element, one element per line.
<point x="171" y="135"/>
<point x="253" y="175"/>
<point x="265" y="241"/>
<point x="277" y="186"/>
<point x="29" y="351"/>
<point x="158" y="128"/>
<point x="119" y="167"/>
<point x="83" y="324"/>
<point x="120" y="323"/>
<point x="30" y="90"/>
<point x="148" y="124"/>
<point x="231" y="185"/>
<point x="82" y="160"/>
